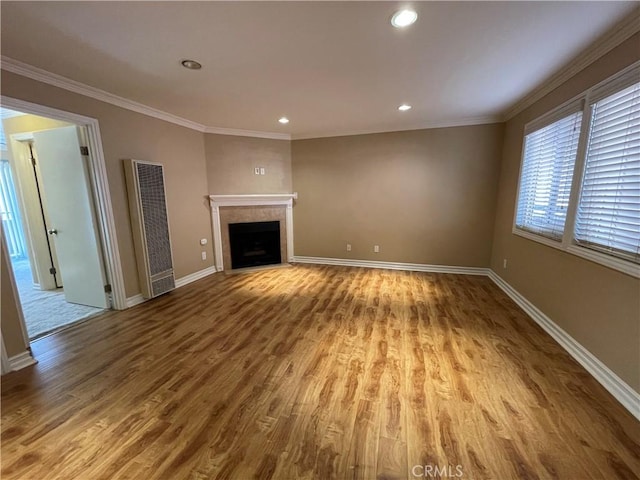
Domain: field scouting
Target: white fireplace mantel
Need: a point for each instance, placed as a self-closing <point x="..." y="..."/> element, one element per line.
<point x="250" y="200"/>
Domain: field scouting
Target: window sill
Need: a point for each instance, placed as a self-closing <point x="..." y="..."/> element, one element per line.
<point x="538" y="238"/>
<point x="615" y="263"/>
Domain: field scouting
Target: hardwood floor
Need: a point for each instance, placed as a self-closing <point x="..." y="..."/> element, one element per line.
<point x="313" y="372"/>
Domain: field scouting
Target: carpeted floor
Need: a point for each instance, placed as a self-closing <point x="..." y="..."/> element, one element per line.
<point x="45" y="310"/>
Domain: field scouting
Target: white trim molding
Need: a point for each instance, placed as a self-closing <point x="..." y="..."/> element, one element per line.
<point x="135" y="300"/>
<point x="426" y="125"/>
<point x="6" y="366"/>
<point x="22" y="360"/>
<point x="29" y="71"/>
<point x="249" y="200"/>
<point x="614" y="37"/>
<point x="622" y="392"/>
<point x="187" y="279"/>
<point x="99" y="187"/>
<point x="34" y="73"/>
<point x="253" y="199"/>
<point x="411" y="267"/>
<point x="24" y="69"/>
<point x="180" y="282"/>
<point x="247" y="133"/>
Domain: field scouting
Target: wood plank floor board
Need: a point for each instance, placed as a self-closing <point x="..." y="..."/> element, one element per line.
<point x="313" y="372"/>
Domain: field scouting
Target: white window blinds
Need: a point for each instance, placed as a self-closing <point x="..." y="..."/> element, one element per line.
<point x="608" y="216"/>
<point x="545" y="180"/>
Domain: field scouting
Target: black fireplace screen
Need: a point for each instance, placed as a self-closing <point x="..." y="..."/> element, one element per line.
<point x="254" y="244"/>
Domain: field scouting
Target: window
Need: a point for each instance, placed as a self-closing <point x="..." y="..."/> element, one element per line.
<point x="608" y="216"/>
<point x="545" y="183"/>
<point x="580" y="176"/>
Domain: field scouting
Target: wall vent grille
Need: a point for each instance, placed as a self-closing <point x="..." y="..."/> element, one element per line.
<point x="150" y="225"/>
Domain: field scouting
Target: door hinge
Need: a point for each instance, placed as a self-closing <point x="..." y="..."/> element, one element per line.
<point x="84" y="150"/>
<point x="107" y="288"/>
<point x="53" y="271"/>
<point x="33" y="161"/>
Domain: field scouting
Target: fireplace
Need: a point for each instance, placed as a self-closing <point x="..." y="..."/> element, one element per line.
<point x="227" y="210"/>
<point x="254" y="244"/>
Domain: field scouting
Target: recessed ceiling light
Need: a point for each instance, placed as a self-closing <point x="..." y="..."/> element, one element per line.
<point x="191" y="64"/>
<point x="284" y="120"/>
<point x="404" y="107"/>
<point x="403" y="18"/>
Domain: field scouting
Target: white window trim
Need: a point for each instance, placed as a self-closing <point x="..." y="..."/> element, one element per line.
<point x="568" y="244"/>
<point x="616" y="263"/>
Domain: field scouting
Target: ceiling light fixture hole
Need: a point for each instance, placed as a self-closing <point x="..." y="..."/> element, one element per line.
<point x="191" y="64"/>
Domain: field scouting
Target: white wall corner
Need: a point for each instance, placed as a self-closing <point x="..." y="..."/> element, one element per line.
<point x="621" y="391"/>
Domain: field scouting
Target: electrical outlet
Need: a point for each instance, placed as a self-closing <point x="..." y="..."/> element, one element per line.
<point x="262" y="171"/>
<point x="376" y="249"/>
<point x="348" y="247"/>
<point x="504" y="263"/>
<point x="204" y="255"/>
<point x="256" y="170"/>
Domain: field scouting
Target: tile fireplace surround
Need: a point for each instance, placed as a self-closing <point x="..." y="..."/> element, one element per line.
<point x="226" y="209"/>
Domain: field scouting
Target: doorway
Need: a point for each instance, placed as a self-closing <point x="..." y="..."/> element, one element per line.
<point x="56" y="218"/>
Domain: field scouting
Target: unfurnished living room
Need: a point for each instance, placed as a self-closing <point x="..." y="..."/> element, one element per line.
<point x="320" y="240"/>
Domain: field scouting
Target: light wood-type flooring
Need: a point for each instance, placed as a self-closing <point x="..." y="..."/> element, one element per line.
<point x="313" y="372"/>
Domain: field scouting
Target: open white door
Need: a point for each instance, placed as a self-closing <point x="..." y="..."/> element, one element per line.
<point x="67" y="193"/>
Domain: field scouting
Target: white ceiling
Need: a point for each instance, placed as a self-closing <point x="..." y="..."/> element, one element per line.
<point x="331" y="67"/>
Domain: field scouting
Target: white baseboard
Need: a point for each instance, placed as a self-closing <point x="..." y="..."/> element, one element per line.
<point x="181" y="282"/>
<point x="21" y="361"/>
<point x="135" y="300"/>
<point x="622" y="392"/>
<point x="412" y="267"/>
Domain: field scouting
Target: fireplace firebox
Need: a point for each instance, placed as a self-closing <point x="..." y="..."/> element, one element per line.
<point x="254" y="244"/>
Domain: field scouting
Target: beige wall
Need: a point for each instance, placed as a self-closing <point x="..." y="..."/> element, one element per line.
<point x="9" y="319"/>
<point x="423" y="196"/>
<point x="126" y="134"/>
<point x="231" y="161"/>
<point x="597" y="306"/>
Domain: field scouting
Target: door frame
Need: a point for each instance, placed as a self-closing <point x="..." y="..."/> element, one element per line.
<point x="5" y="366"/>
<point x="14" y="289"/>
<point x="99" y="188"/>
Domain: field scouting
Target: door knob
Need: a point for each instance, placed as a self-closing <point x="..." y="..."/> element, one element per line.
<point x="53" y="231"/>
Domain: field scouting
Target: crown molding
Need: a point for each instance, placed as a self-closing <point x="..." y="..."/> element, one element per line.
<point x="25" y="70"/>
<point x="463" y="122"/>
<point x="614" y="37"/>
<point x="29" y="71"/>
<point x="40" y="75"/>
<point x="247" y="133"/>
